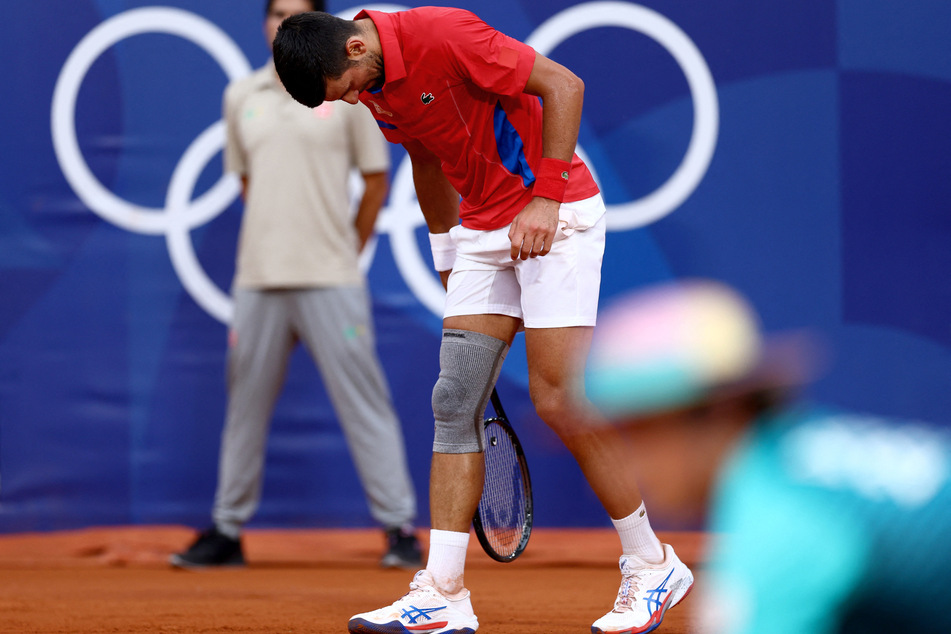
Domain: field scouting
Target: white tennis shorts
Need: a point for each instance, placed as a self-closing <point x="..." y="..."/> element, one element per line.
<point x="556" y="290"/>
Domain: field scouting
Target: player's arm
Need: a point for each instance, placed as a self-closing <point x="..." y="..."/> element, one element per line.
<point x="374" y="193"/>
<point x="562" y="95"/>
<point x="437" y="198"/>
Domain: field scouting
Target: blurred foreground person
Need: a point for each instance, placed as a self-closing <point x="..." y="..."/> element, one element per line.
<point x="821" y="521"/>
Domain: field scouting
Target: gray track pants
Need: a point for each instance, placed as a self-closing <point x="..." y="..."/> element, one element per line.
<point x="335" y="325"/>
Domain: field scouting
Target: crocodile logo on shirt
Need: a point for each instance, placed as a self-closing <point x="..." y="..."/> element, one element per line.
<point x="426" y="98"/>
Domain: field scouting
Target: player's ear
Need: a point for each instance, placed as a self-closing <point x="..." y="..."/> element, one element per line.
<point x="356" y="47"/>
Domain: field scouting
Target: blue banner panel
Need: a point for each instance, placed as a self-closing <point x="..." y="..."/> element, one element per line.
<point x="798" y="151"/>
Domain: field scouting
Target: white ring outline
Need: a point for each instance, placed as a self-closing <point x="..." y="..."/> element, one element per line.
<point x="187" y="25"/>
<point x="703" y="140"/>
<point x="398" y="220"/>
<point x="401" y="225"/>
<point x="177" y="203"/>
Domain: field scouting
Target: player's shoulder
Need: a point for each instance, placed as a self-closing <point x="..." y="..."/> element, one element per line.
<point x="420" y="14"/>
<point x="435" y="35"/>
<point x="437" y="23"/>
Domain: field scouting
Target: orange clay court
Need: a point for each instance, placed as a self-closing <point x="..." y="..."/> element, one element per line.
<point x="116" y="580"/>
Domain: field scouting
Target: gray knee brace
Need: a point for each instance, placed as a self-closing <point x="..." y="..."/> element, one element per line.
<point x="469" y="364"/>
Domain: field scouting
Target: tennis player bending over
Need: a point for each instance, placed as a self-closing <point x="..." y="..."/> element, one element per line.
<point x="463" y="99"/>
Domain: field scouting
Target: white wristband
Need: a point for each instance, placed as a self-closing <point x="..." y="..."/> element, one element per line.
<point x="444" y="251"/>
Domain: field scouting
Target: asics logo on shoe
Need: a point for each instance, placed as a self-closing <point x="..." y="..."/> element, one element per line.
<point x="413" y="614"/>
<point x="655" y="596"/>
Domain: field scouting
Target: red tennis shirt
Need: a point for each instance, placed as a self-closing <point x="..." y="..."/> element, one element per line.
<point x="455" y="84"/>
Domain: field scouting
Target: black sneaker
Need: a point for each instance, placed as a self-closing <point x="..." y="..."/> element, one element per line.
<point x="402" y="549"/>
<point x="211" y="548"/>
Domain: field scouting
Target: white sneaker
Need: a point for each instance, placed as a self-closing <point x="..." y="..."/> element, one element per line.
<point x="421" y="610"/>
<point x="647" y="592"/>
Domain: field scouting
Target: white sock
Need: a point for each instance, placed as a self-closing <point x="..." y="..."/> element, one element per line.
<point x="447" y="560"/>
<point x="637" y="538"/>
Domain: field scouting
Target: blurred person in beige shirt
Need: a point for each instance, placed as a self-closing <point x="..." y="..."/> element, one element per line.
<point x="298" y="279"/>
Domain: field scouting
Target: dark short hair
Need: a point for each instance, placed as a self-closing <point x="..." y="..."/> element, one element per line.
<point x="315" y="5"/>
<point x="308" y="49"/>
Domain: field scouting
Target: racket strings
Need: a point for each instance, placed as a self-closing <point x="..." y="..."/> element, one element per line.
<point x="503" y="509"/>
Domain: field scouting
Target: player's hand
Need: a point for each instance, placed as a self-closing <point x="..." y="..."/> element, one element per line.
<point x="533" y="230"/>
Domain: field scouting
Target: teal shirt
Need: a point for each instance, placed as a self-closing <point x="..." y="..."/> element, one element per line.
<point x="830" y="522"/>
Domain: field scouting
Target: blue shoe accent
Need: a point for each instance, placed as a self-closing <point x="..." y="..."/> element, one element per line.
<point x="412" y="615"/>
<point x="655" y="597"/>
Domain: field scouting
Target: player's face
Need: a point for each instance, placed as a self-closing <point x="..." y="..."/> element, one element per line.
<point x="281" y="9"/>
<point x="365" y="74"/>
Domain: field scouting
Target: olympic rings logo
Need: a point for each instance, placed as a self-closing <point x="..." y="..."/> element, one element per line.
<point x="401" y="217"/>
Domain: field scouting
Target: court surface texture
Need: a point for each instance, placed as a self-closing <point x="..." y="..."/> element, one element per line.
<point x="117" y="580"/>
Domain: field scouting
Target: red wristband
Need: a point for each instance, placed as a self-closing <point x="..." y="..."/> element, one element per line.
<point x="551" y="180"/>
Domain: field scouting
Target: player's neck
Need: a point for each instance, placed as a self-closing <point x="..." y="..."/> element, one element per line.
<point x="370" y="35"/>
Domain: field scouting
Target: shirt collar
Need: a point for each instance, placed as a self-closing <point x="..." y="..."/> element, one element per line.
<point x="386" y="26"/>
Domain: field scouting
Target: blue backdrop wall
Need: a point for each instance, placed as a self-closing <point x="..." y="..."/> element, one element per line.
<point x="798" y="150"/>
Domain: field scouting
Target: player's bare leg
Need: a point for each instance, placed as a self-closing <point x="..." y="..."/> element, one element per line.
<point x="554" y="355"/>
<point x="455" y="480"/>
<point x="455" y="487"/>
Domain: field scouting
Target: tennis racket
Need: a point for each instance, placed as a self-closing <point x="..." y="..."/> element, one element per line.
<point x="503" y="521"/>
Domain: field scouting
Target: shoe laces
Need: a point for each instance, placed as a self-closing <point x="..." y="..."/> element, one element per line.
<point x="419" y="586"/>
<point x="627" y="593"/>
<point x="631" y="579"/>
<point x="423" y="583"/>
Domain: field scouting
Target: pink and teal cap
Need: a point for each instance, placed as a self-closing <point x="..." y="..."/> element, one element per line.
<point x="671" y="345"/>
